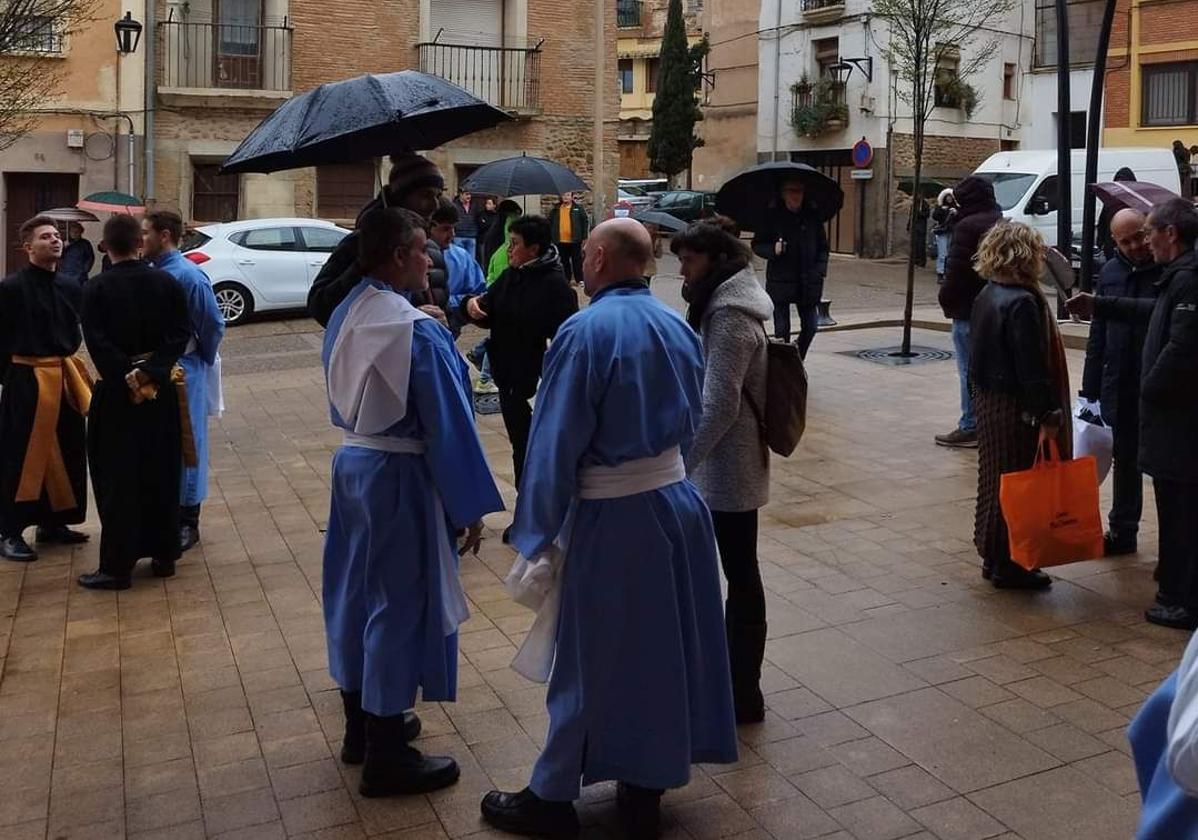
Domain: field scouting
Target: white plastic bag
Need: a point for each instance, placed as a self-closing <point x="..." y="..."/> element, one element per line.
<point x="1093" y="438"/>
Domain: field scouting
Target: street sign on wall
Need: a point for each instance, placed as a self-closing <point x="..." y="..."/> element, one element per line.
<point x="863" y="154"/>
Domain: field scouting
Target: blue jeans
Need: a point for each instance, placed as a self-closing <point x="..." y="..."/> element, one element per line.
<point x="942" y="242"/>
<point x="808" y="320"/>
<point x="469" y="243"/>
<point x="961" y="345"/>
<point x="484" y="370"/>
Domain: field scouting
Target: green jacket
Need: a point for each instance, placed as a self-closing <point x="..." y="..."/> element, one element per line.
<point x="499" y="263"/>
<point x="580" y="223"/>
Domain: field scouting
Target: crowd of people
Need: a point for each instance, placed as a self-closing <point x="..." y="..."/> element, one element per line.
<point x="153" y="329"/>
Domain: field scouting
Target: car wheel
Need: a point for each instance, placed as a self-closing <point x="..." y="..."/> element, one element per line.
<point x="234" y="301"/>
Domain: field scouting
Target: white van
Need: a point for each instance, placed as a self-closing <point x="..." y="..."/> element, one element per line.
<point x="1025" y="183"/>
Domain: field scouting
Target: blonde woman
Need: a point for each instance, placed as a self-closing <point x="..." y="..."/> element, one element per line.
<point x="1020" y="385"/>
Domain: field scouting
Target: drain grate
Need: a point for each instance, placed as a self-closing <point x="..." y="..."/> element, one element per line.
<point x="892" y="355"/>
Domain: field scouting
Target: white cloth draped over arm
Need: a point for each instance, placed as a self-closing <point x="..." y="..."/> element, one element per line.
<point x="371" y="361"/>
<point x="1183" y="723"/>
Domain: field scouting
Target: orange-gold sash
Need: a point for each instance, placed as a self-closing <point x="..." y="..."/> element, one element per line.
<point x="44" y="467"/>
<point x="149" y="391"/>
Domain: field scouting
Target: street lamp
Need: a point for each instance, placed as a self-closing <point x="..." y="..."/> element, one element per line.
<point x="128" y="34"/>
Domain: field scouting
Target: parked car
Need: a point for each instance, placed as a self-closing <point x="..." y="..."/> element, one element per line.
<point x="262" y="264"/>
<point x="687" y="205"/>
<point x="635" y="198"/>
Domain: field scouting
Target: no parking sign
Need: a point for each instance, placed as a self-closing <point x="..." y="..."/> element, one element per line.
<point x="863" y="154"/>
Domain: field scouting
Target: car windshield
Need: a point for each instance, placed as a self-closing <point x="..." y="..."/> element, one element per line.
<point x="1009" y="187"/>
<point x="193" y="239"/>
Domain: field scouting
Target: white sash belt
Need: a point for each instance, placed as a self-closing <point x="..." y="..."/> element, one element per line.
<point x="537" y="583"/>
<point x="453" y="600"/>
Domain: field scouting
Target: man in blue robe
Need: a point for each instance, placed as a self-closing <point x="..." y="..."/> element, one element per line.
<point x="410" y="473"/>
<point x="162" y="231"/>
<point x="640" y="686"/>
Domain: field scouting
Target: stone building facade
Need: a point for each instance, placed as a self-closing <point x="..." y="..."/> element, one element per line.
<point x="535" y="59"/>
<point x="729" y="126"/>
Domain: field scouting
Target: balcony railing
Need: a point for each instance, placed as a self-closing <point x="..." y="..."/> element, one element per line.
<point x="224" y="55"/>
<point x="507" y="77"/>
<point x="628" y="13"/>
<point x="822" y="9"/>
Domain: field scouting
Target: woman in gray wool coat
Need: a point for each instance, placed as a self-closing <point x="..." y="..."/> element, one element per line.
<point x="729" y="461"/>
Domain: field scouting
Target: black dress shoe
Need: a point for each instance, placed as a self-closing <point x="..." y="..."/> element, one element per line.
<point x="1115" y="546"/>
<point x="102" y="580"/>
<point x="1015" y="577"/>
<point x="640" y="811"/>
<point x="163" y="568"/>
<point x="189" y="537"/>
<point x="1180" y="618"/>
<point x="528" y="814"/>
<point x="61" y="535"/>
<point x="15" y="548"/>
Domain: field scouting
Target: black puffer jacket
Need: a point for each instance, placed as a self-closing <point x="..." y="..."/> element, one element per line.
<point x="1169" y="387"/>
<point x="1117" y="333"/>
<point x="1009" y="348"/>
<point x="797" y="275"/>
<point x="341" y="273"/>
<point x="524" y="307"/>
<point x="977" y="212"/>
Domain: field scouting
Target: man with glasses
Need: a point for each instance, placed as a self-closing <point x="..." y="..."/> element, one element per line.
<point x="1112" y="372"/>
<point x="1168" y="448"/>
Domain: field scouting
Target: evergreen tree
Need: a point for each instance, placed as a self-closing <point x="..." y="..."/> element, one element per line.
<point x="672" y="141"/>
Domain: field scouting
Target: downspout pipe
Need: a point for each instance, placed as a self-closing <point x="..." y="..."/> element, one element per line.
<point x="151" y="91"/>
<point x="777" y="77"/>
<point x="1093" y="128"/>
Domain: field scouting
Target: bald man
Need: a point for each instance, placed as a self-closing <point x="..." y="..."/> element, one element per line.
<point x="1125" y="293"/>
<point x="622" y="558"/>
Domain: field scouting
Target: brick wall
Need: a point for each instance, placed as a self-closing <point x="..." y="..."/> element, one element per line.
<point x="1162" y="23"/>
<point x="942" y="155"/>
<point x="1118" y="102"/>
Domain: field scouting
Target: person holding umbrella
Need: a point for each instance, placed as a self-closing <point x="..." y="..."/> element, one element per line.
<point x="795" y="248"/>
<point x="415" y="184"/>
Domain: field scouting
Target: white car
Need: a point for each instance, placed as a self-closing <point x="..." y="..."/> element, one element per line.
<point x="262" y="264"/>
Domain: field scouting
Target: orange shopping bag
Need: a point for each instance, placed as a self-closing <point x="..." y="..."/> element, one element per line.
<point x="1052" y="509"/>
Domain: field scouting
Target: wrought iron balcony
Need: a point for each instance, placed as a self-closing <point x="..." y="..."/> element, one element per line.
<point x="209" y="56"/>
<point x="628" y="13"/>
<point x="507" y="77"/>
<point x="822" y="9"/>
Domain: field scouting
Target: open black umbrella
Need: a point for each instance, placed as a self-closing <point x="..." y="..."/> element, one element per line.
<point x="751" y="198"/>
<point x="663" y="220"/>
<point x="523" y="175"/>
<point x="360" y="118"/>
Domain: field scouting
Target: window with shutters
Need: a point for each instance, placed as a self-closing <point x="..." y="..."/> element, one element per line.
<point x="476" y="23"/>
<point x="214" y="197"/>
<point x="1170" y="94"/>
<point x="342" y="189"/>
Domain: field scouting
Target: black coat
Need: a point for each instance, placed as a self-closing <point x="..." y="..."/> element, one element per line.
<point x="797" y="275"/>
<point x="525" y="306"/>
<point x="977" y="212"/>
<point x="1009" y="348"/>
<point x="128" y="311"/>
<point x="1112" y="372"/>
<point x="1169" y="387"/>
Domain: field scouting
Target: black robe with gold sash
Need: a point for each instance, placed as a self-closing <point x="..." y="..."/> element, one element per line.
<point x="43" y="456"/>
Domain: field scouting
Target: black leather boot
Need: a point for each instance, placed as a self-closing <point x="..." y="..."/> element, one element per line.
<point x="60" y="535"/>
<point x="393" y="768"/>
<point x="528" y="814"/>
<point x="746" y="650"/>
<point x="1008" y="575"/>
<point x="640" y="811"/>
<point x="353" y="745"/>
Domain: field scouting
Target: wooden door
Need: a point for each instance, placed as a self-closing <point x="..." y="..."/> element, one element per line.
<point x="28" y="193"/>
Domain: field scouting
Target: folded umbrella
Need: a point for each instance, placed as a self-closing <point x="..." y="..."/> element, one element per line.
<point x="523" y="175"/>
<point x="1132" y="195"/>
<point x="111" y="201"/>
<point x="663" y="220"/>
<point x="751" y="198"/>
<point x="356" y="119"/>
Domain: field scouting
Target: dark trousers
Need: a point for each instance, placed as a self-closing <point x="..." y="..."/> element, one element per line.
<point x="1176" y="502"/>
<point x="517" y="419"/>
<point x="1128" y="504"/>
<point x="808" y="320"/>
<point x="736" y="536"/>
<point x="571" y="254"/>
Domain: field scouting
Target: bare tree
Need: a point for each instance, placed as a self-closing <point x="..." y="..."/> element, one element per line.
<point x="934" y="42"/>
<point x="32" y="34"/>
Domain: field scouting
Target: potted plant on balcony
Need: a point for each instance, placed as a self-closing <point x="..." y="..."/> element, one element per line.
<point x="954" y="92"/>
<point x="819" y="107"/>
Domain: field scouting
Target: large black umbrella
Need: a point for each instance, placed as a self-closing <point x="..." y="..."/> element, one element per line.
<point x="523" y="175"/>
<point x="356" y="119"/>
<point x="751" y="198"/>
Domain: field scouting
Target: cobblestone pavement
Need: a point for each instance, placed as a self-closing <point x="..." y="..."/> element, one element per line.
<point x="906" y="698"/>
